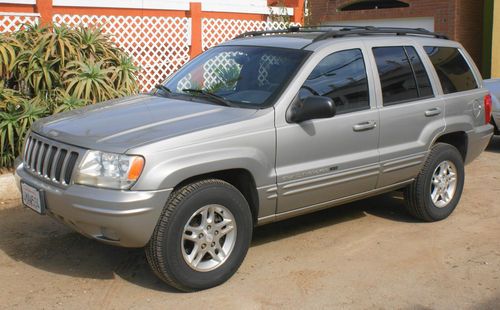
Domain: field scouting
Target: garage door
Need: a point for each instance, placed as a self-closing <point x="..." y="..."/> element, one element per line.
<point x="420" y="22"/>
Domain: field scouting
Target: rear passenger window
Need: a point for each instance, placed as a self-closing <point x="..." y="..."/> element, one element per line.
<point x="402" y="75"/>
<point x="342" y="77"/>
<point x="452" y="68"/>
<point x="423" y="82"/>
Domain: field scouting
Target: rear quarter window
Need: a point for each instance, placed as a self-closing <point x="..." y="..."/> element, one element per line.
<point x="453" y="70"/>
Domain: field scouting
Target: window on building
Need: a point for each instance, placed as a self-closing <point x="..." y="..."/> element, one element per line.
<point x="373" y="5"/>
<point x="453" y="70"/>
<point x="342" y="77"/>
<point x="402" y="75"/>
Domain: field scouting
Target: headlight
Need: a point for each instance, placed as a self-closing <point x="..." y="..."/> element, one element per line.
<point x="109" y="170"/>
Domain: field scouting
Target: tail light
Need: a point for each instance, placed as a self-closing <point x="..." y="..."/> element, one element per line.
<point x="487" y="108"/>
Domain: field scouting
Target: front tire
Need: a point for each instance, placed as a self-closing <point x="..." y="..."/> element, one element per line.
<point x="202" y="236"/>
<point x="437" y="189"/>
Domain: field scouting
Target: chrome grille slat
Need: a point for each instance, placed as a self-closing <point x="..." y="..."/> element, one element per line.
<point x="34" y="154"/>
<point x="27" y="149"/>
<point x="39" y="159"/>
<point x="51" y="160"/>
<point x="59" y="164"/>
<point x="47" y="160"/>
<point x="73" y="157"/>
<point x="63" y="168"/>
<point x="32" y="148"/>
<point x="52" y="175"/>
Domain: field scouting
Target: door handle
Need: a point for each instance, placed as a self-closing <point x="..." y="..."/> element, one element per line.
<point x="433" y="112"/>
<point x="365" y="126"/>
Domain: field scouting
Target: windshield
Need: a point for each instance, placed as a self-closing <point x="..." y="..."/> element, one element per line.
<point x="246" y="76"/>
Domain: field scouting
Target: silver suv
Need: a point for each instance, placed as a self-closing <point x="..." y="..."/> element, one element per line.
<point x="262" y="128"/>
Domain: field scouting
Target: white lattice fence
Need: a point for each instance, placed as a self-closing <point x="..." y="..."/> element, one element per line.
<point x="10" y="22"/>
<point x="159" y="45"/>
<point x="216" y="31"/>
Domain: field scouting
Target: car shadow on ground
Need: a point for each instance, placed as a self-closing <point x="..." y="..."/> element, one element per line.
<point x="494" y="145"/>
<point x="45" y="244"/>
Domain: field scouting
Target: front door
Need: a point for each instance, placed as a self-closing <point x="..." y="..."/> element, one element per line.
<point x="322" y="160"/>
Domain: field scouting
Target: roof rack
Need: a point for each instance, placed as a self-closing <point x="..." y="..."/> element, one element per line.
<point x="344" y="30"/>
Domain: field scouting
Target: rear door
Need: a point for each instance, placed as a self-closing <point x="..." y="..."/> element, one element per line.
<point x="410" y="113"/>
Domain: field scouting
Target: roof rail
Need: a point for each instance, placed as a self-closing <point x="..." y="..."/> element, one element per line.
<point x="344" y="30"/>
<point x="378" y="30"/>
<point x="264" y="32"/>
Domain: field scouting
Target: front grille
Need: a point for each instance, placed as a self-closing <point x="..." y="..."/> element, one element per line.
<point x="49" y="159"/>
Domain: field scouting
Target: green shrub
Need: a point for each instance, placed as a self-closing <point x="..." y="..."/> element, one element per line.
<point x="47" y="70"/>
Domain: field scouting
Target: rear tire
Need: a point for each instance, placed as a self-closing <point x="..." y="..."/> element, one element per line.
<point x="202" y="236"/>
<point x="437" y="189"/>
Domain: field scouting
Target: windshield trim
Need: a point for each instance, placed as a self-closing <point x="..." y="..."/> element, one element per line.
<point x="271" y="101"/>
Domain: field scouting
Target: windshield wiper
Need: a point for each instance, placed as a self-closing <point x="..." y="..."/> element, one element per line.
<point x="208" y="95"/>
<point x="163" y="88"/>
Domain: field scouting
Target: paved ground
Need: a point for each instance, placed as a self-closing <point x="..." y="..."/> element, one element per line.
<point x="364" y="255"/>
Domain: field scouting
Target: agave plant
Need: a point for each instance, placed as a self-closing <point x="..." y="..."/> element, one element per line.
<point x="9" y="48"/>
<point x="89" y="81"/>
<point x="29" y="113"/>
<point x="8" y="128"/>
<point x="40" y="73"/>
<point x="93" y="43"/>
<point x="30" y="34"/>
<point x="61" y="43"/>
<point x="46" y="99"/>
<point x="45" y="70"/>
<point x="125" y="76"/>
<point x="9" y="97"/>
<point x="67" y="102"/>
<point x="14" y="124"/>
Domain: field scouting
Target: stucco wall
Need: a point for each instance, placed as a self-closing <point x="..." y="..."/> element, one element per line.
<point x="495" y="48"/>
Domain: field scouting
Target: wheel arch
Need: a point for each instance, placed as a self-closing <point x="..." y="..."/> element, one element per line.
<point x="242" y="179"/>
<point x="458" y="139"/>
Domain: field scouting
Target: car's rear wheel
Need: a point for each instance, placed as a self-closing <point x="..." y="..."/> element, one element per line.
<point x="202" y="236"/>
<point x="437" y="189"/>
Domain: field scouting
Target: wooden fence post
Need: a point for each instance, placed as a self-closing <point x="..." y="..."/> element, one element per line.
<point x="45" y="9"/>
<point x="298" y="12"/>
<point x="196" y="34"/>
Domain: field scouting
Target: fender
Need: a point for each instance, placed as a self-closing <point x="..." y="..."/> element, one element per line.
<point x="169" y="173"/>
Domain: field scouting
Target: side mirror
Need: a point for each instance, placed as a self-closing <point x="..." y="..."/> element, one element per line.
<point x="312" y="107"/>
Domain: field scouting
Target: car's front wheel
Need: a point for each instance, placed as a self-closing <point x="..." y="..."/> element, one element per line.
<point x="436" y="191"/>
<point x="202" y="236"/>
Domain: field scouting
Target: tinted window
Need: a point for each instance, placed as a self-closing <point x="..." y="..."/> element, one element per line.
<point x="453" y="71"/>
<point x="423" y="82"/>
<point x="396" y="76"/>
<point x="342" y="77"/>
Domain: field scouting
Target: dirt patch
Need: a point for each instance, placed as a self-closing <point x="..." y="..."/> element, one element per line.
<point x="365" y="255"/>
<point x="8" y="189"/>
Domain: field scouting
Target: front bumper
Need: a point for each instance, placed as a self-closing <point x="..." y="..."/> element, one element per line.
<point x="124" y="218"/>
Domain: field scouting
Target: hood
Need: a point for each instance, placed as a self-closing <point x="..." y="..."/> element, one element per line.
<point x="118" y="125"/>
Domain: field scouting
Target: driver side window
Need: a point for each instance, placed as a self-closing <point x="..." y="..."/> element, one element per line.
<point x="342" y="77"/>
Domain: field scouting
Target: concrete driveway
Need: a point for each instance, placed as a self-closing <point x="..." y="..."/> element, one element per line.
<point x="364" y="255"/>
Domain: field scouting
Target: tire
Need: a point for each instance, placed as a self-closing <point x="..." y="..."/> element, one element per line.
<point x="171" y="247"/>
<point x="419" y="195"/>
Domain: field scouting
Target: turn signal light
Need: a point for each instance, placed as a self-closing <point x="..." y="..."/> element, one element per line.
<point x="136" y="168"/>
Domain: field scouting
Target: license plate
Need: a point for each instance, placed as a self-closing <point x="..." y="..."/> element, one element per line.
<point x="32" y="198"/>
